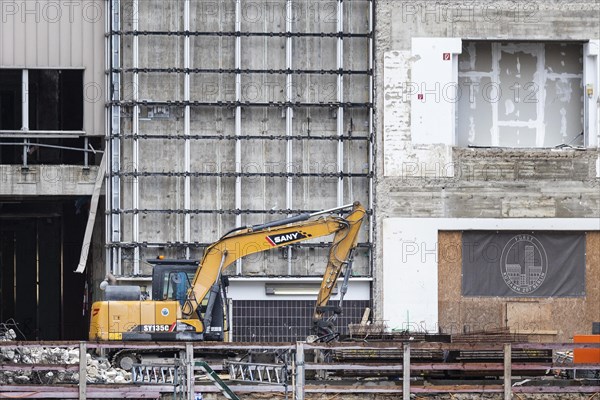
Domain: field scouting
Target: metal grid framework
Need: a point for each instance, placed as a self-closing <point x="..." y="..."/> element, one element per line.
<point x="133" y="177"/>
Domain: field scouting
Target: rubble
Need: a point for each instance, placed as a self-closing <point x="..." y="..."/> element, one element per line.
<point x="98" y="369"/>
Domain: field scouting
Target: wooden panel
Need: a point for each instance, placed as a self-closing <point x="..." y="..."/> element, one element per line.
<point x="529" y="317"/>
<point x="555" y="319"/>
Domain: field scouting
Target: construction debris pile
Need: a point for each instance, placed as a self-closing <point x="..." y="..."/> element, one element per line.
<point x="58" y="360"/>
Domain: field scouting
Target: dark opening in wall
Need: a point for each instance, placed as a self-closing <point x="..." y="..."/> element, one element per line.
<point x="40" y="244"/>
<point x="11" y="99"/>
<point x="56" y="100"/>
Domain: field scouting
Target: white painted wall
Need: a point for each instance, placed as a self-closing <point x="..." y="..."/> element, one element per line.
<point x="241" y="288"/>
<point x="434" y="81"/>
<point x="403" y="155"/>
<point x="410" y="265"/>
<point x="591" y="74"/>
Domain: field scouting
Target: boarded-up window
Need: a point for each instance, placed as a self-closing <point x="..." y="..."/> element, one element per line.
<point x="523" y="264"/>
<point x="524" y="94"/>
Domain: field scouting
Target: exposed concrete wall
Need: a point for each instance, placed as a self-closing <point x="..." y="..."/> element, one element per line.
<point x="217" y="195"/>
<point x="47" y="180"/>
<point x="441" y="180"/>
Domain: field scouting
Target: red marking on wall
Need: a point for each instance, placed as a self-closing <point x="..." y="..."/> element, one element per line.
<point x="420" y="96"/>
<point x="446" y="56"/>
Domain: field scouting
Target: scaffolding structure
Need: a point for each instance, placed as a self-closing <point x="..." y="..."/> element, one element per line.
<point x="334" y="114"/>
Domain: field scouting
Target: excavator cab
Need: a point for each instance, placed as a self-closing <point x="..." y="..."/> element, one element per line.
<point x="171" y="280"/>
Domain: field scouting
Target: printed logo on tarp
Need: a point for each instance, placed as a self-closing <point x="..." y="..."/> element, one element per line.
<point x="283" y="238"/>
<point x="524" y="264"/>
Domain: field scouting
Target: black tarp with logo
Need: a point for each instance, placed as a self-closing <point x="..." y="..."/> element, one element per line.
<point x="523" y="264"/>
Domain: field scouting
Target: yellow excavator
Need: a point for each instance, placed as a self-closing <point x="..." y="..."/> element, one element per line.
<point x="191" y="308"/>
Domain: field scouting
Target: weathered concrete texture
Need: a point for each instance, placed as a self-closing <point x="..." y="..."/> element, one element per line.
<point x="218" y="193"/>
<point x="497" y="183"/>
<point x="47" y="180"/>
<point x="445" y="181"/>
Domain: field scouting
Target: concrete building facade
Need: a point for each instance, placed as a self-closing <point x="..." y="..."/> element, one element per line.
<point x="489" y="123"/>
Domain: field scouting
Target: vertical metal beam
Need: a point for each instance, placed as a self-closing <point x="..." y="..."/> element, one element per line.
<point x="371" y="157"/>
<point x="135" y="148"/>
<point x="107" y="132"/>
<point x="300" y="371"/>
<point x="406" y="372"/>
<point x="86" y="157"/>
<point x="25" y="111"/>
<point x="114" y="191"/>
<point x="238" y="120"/>
<point x="186" y="130"/>
<point x="82" y="371"/>
<point x="289" y="115"/>
<point x="507" y="372"/>
<point x="340" y="99"/>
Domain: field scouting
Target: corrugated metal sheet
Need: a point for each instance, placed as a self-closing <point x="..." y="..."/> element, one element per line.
<point x="58" y="34"/>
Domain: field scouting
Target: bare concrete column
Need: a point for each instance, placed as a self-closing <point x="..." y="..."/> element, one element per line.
<point x="82" y="371"/>
<point x="406" y="372"/>
<point x="189" y="370"/>
<point x="300" y="371"/>
<point x="507" y="372"/>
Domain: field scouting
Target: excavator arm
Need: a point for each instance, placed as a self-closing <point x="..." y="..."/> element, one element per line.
<point x="250" y="240"/>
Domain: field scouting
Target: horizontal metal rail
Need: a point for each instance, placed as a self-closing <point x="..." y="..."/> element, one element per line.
<point x="199" y="211"/>
<point x="50" y="146"/>
<point x="143" y="174"/>
<point x="242" y="34"/>
<point x="243" y="137"/>
<point x="153" y="392"/>
<point x="42" y="132"/>
<point x="233" y="104"/>
<point x="248" y="71"/>
<point x="449" y="366"/>
<point x="308" y="346"/>
<point x="200" y="244"/>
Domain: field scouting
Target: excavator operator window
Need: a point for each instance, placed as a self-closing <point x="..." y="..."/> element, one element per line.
<point x="176" y="285"/>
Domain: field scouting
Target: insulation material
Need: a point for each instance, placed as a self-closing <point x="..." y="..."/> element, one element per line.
<point x="520" y="94"/>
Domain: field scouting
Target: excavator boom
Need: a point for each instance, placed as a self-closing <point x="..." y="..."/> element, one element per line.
<point x="250" y="240"/>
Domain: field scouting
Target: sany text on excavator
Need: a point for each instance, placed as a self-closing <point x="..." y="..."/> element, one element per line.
<point x="193" y="309"/>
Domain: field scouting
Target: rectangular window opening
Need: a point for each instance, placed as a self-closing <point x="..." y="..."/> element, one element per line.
<point x="520" y="94"/>
<point x="56" y="100"/>
<point x="11" y="99"/>
<point x="53" y="99"/>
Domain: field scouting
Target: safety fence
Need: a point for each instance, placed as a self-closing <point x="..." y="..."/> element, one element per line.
<point x="306" y="369"/>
